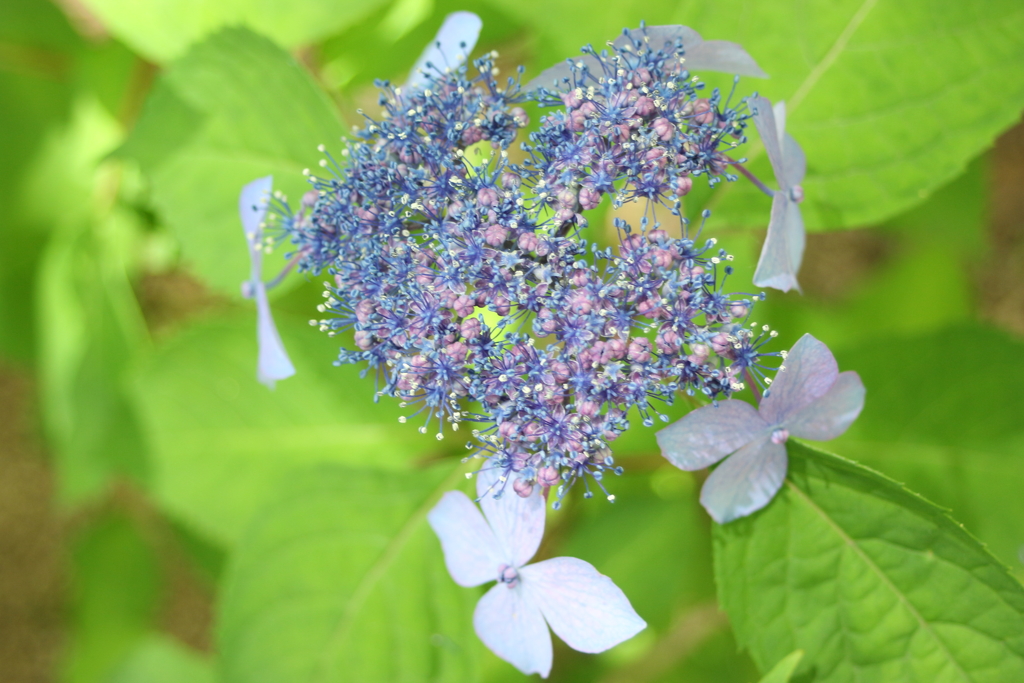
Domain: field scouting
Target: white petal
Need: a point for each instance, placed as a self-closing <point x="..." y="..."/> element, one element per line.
<point x="706" y="435"/>
<point x="512" y="626"/>
<point x="581" y="605"/>
<point x="746" y="481"/>
<point x="783" y="246"/>
<point x="450" y="48"/>
<point x="810" y="371"/>
<point x="471" y="552"/>
<point x="833" y="413"/>
<point x="518" y="523"/>
<point x="274" y="363"/>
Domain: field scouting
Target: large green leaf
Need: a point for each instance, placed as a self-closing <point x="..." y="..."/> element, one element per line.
<point x="889" y="98"/>
<point x="234" y="108"/>
<point x="163" y="29"/>
<point x="871" y="580"/>
<point x="88" y="318"/>
<point x="158" y="659"/>
<point x="115" y="594"/>
<point x="221" y="441"/>
<point x="341" y="579"/>
<point x="783" y="671"/>
<point x="963" y="448"/>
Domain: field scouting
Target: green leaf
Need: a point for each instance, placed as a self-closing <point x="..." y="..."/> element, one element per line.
<point x="341" y="579"/>
<point x="158" y="659"/>
<point x="163" y="29"/>
<point x="963" y="451"/>
<point x="235" y="108"/>
<point x="889" y="98"/>
<point x="783" y="671"/>
<point x="871" y="580"/>
<point x="221" y="441"/>
<point x="89" y="322"/>
<point x="115" y="594"/>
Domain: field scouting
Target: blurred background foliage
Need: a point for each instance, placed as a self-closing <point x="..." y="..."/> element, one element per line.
<point x="154" y="499"/>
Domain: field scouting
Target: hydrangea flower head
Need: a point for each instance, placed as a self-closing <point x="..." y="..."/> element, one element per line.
<point x="809" y="399"/>
<point x="584" y="607"/>
<point x="469" y="285"/>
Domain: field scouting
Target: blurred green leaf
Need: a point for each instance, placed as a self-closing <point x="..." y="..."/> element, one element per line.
<point x="162" y="30"/>
<point x="158" y="659"/>
<point x="37" y="48"/>
<point x="871" y="580"/>
<point x="89" y="322"/>
<point x="116" y="590"/>
<point x="341" y="579"/>
<point x="235" y="108"/>
<point x="965" y="452"/>
<point x="783" y="671"/>
<point x="889" y="98"/>
<point x="221" y="441"/>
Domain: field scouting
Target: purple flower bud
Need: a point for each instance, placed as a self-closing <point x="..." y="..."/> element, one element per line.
<point x="470" y="328"/>
<point x="663" y="128"/>
<point x="683" y="186"/>
<point x="640" y="349"/>
<point x="796" y="193"/>
<point x="780" y="436"/>
<point x="364" y="339"/>
<point x="645" y="106"/>
<point x="495" y="235"/>
<point x="523" y="487"/>
<point x="738" y="310"/>
<point x="589" y="199"/>
<point x="487" y="196"/>
<point x="547" y="476"/>
<point x="519" y="115"/>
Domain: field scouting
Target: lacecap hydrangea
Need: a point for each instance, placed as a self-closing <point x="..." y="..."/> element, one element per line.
<point x="471" y="288"/>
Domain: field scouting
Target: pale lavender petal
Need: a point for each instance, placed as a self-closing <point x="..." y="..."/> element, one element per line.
<point x="274" y="363"/>
<point x="794" y="161"/>
<point x="810" y="371"/>
<point x="450" y="47"/>
<point x="767" y="128"/>
<point x="795" y="238"/>
<point x="471" y="552"/>
<point x="509" y="623"/>
<point x="779" y="112"/>
<point x="518" y="523"/>
<point x="706" y="435"/>
<point x="721" y="55"/>
<point x="833" y="413"/>
<point x="582" y="606"/>
<point x="252" y="207"/>
<point x="785" y="240"/>
<point x="746" y="481"/>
